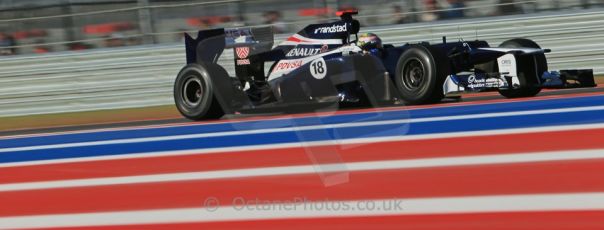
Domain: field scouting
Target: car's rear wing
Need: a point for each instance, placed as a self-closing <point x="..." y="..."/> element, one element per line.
<point x="209" y="44"/>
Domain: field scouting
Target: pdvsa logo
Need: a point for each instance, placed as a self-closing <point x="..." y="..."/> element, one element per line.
<point x="288" y="65"/>
<point x="331" y="29"/>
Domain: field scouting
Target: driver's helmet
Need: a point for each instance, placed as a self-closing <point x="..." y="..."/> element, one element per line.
<point x="369" y="41"/>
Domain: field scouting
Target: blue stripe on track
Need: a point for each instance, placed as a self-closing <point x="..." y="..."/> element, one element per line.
<point x="278" y="123"/>
<point x="537" y="120"/>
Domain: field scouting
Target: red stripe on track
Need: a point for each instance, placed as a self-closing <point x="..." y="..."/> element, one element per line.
<point x="495" y="179"/>
<point x="444" y="147"/>
<point x="477" y="221"/>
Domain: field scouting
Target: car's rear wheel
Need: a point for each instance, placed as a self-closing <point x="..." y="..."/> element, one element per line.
<point x="194" y="93"/>
<point x="529" y="72"/>
<point x="417" y="77"/>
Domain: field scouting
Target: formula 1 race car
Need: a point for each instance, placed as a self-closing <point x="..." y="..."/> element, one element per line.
<point x="328" y="66"/>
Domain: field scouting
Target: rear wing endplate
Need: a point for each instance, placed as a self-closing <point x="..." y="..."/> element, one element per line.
<point x="209" y="44"/>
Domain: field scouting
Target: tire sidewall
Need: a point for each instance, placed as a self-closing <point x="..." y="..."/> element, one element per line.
<point x="198" y="72"/>
<point x="424" y="92"/>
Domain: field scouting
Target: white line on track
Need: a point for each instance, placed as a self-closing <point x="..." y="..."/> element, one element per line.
<point x="356" y="141"/>
<point x="303" y="128"/>
<point x="416" y="206"/>
<point x="307" y="169"/>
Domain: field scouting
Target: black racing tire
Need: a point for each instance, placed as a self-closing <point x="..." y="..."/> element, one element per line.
<point x="194" y="92"/>
<point x="418" y="78"/>
<point x="527" y="75"/>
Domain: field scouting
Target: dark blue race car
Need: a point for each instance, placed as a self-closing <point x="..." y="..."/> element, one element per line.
<point x="329" y="66"/>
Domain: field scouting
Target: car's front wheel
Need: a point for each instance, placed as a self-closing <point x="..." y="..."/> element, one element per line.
<point x="530" y="69"/>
